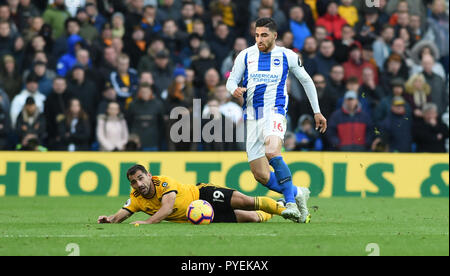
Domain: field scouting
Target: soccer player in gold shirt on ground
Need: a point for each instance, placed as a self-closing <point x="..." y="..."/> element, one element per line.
<point x="164" y="198"/>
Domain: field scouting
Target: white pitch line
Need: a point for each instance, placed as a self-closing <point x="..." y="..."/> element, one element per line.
<point x="196" y="235"/>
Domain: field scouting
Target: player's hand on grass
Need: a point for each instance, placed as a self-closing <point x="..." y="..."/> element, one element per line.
<point x="103" y="219"/>
<point x="239" y="92"/>
<point x="321" y="122"/>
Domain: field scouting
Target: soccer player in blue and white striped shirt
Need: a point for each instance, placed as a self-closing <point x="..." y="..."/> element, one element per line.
<point x="263" y="69"/>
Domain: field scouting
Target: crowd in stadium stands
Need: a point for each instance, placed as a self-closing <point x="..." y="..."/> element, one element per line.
<point x="105" y="75"/>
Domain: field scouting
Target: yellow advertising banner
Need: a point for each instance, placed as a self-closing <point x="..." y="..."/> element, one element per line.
<point x="326" y="174"/>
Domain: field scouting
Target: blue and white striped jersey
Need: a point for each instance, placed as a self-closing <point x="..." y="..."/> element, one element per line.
<point x="264" y="75"/>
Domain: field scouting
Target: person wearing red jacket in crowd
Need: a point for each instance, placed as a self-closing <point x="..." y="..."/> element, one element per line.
<point x="332" y="21"/>
<point x="350" y="128"/>
<point x="355" y="64"/>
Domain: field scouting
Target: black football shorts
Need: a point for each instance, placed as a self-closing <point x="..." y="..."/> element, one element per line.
<point x="220" y="200"/>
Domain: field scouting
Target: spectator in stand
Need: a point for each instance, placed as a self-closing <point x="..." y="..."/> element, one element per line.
<point x="222" y="43"/>
<point x="174" y="39"/>
<point x="429" y="132"/>
<point x="332" y="21"/>
<point x="437" y="85"/>
<point x="227" y="10"/>
<point x="112" y="129"/>
<point x="30" y="90"/>
<point x="343" y="45"/>
<point x="10" y="77"/>
<point x="439" y="26"/>
<point x="31" y="143"/>
<point x="201" y="63"/>
<point x="287" y="41"/>
<point x="36" y="44"/>
<point x="327" y="101"/>
<point x="381" y="47"/>
<point x="108" y="95"/>
<point x="180" y="92"/>
<point x="309" y="53"/>
<point x="307" y="138"/>
<point x="162" y="71"/>
<point x="31" y="120"/>
<point x="384" y="107"/>
<point x="108" y="64"/>
<point x="118" y="25"/>
<point x="34" y="28"/>
<point x="147" y="62"/>
<point x="74" y="131"/>
<point x="68" y="60"/>
<point x="4" y="100"/>
<point x="396" y="128"/>
<point x="228" y="108"/>
<point x="7" y="39"/>
<point x="45" y="76"/>
<point x="445" y="120"/>
<point x="355" y="65"/>
<point x="352" y="84"/>
<point x="145" y="118"/>
<point x="348" y="12"/>
<point x="219" y="131"/>
<point x="325" y="58"/>
<point x="60" y="46"/>
<point x="136" y="46"/>
<point x="96" y="19"/>
<point x="85" y="90"/>
<point x="87" y="31"/>
<point x="368" y="28"/>
<point x="350" y="128"/>
<point x="298" y="27"/>
<point x="309" y="17"/>
<point x="170" y="9"/>
<point x="56" y="105"/>
<point x="190" y="50"/>
<point x="185" y="23"/>
<point x="210" y="81"/>
<point x="124" y="79"/>
<point x="26" y="11"/>
<point x="335" y="83"/>
<point x="5" y="126"/>
<point x="369" y="89"/>
<point x="321" y="34"/>
<point x="421" y="49"/>
<point x="418" y="93"/>
<point x="239" y="44"/>
<point x="55" y="15"/>
<point x="392" y="71"/>
<point x="151" y="21"/>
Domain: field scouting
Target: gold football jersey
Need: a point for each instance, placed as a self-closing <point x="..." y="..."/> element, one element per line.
<point x="186" y="193"/>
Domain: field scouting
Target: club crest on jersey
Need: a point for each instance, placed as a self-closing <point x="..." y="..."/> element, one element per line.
<point x="276" y="62"/>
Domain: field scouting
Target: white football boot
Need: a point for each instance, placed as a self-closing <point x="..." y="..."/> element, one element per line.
<point x="302" y="199"/>
<point x="292" y="212"/>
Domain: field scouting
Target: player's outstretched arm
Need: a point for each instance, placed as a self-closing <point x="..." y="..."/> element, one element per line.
<point x="167" y="203"/>
<point x="118" y="217"/>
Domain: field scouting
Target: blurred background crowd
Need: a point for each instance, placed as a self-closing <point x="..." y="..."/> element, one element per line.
<point x="104" y="75"/>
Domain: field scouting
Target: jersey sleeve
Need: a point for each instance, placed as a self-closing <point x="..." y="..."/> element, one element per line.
<point x="237" y="72"/>
<point x="131" y="205"/>
<point x="168" y="185"/>
<point x="297" y="68"/>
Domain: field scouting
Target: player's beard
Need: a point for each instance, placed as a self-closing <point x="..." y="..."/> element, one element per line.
<point x="267" y="48"/>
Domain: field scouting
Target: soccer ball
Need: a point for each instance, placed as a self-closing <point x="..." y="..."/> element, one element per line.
<point x="200" y="212"/>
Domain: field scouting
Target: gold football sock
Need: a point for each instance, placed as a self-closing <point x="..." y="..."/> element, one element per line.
<point x="263" y="216"/>
<point x="268" y="205"/>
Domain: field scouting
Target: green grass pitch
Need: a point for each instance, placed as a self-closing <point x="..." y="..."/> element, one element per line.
<point x="341" y="226"/>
